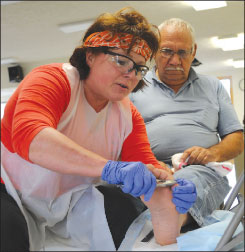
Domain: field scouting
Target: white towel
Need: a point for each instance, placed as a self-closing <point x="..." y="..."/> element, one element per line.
<point x="222" y="168"/>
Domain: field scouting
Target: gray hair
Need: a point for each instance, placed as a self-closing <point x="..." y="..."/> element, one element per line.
<point x="179" y="23"/>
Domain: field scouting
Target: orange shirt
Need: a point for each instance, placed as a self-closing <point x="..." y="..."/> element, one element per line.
<point x="39" y="102"/>
<point x="136" y="147"/>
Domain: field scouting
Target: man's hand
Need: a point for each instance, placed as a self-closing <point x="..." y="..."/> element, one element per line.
<point x="228" y="148"/>
<point x="198" y="155"/>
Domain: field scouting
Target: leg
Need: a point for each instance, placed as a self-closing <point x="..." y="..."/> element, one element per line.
<point x="185" y="219"/>
<point x="211" y="190"/>
<point x="121" y="209"/>
<point x="14" y="232"/>
<point x="166" y="221"/>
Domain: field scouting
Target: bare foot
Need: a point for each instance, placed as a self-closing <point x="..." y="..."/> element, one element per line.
<point x="165" y="218"/>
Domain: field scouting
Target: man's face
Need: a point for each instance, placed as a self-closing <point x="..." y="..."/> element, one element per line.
<point x="174" y="70"/>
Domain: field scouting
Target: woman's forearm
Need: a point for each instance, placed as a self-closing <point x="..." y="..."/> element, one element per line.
<point x="53" y="150"/>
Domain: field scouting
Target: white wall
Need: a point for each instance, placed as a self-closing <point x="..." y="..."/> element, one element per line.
<point x="26" y="67"/>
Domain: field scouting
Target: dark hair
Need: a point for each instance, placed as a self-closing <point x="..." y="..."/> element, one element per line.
<point x="126" y="20"/>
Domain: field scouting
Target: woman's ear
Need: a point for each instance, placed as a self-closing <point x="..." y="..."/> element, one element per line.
<point x="90" y="58"/>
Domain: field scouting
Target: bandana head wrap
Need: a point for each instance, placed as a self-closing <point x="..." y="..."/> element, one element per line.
<point x="119" y="40"/>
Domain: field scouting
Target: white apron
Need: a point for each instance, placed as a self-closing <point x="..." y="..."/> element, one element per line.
<point x="66" y="212"/>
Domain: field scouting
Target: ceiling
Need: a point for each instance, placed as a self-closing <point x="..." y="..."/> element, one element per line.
<point x="29" y="29"/>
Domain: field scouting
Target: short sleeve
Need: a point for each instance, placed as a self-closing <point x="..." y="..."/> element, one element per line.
<point x="228" y="120"/>
<point x="39" y="102"/>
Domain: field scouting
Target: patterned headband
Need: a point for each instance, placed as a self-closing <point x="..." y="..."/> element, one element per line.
<point x="119" y="40"/>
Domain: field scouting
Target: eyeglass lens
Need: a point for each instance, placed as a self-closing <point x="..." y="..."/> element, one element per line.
<point x="127" y="65"/>
<point x="168" y="53"/>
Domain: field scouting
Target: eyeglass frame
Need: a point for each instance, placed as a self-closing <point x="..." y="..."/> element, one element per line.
<point x="188" y="52"/>
<point x="135" y="66"/>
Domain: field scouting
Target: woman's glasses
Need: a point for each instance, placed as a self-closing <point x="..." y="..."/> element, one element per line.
<point x="126" y="65"/>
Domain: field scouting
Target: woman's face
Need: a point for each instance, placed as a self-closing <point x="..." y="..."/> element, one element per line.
<point x="107" y="79"/>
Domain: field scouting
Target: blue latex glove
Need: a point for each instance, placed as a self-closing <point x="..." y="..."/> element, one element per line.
<point x="134" y="176"/>
<point x="184" y="195"/>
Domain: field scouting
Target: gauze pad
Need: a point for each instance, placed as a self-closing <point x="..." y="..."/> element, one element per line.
<point x="222" y="168"/>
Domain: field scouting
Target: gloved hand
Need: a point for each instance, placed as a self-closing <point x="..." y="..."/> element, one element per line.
<point x="134" y="176"/>
<point x="184" y="195"/>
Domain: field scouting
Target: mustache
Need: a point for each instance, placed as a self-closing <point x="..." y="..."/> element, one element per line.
<point x="174" y="69"/>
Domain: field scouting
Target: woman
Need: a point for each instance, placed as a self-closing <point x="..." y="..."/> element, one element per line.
<point x="66" y="126"/>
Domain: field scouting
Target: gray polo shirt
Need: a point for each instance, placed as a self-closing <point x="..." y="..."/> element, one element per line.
<point x="197" y="115"/>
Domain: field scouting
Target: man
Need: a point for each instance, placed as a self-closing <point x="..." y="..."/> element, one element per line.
<point x="190" y="113"/>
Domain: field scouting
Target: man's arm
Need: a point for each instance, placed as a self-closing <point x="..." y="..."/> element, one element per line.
<point x="228" y="148"/>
